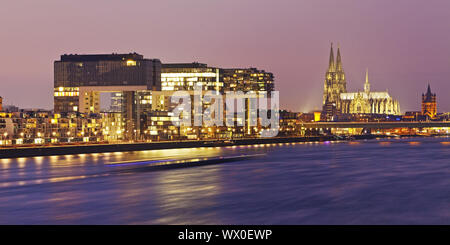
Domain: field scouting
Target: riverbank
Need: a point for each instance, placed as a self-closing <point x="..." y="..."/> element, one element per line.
<point x="123" y="147"/>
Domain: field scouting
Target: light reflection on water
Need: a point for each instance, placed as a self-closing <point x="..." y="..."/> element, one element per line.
<point x="358" y="182"/>
<point x="187" y="195"/>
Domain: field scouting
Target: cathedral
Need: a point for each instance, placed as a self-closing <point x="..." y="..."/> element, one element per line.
<point x="336" y="99"/>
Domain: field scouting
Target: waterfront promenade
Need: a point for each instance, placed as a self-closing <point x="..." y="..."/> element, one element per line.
<point x="83" y="148"/>
<point x="378" y="125"/>
<point x="55" y="150"/>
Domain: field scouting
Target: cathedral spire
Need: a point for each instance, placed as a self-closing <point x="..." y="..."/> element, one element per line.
<point x="331" y="66"/>
<point x="338" y="60"/>
<point x="429" y="89"/>
<point x="367" y="75"/>
<point x="367" y="84"/>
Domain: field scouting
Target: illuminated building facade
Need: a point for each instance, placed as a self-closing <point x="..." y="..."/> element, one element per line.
<point x="185" y="76"/>
<point x="140" y="94"/>
<point x="429" y="106"/>
<point x="116" y="102"/>
<point x="368" y="102"/>
<point x="158" y="125"/>
<point x="337" y="101"/>
<point x="78" y="79"/>
<point x="252" y="83"/>
<point x="288" y="123"/>
<point x="112" y="126"/>
<point x="245" y="80"/>
<point x="335" y="84"/>
<point x="159" y="121"/>
<point x="41" y="127"/>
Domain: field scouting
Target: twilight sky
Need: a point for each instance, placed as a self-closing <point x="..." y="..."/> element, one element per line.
<point x="404" y="43"/>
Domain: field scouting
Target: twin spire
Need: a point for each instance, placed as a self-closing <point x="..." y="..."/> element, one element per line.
<point x="335" y="67"/>
<point x="331" y="66"/>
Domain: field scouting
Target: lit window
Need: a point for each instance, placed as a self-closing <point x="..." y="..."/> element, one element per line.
<point x="131" y="63"/>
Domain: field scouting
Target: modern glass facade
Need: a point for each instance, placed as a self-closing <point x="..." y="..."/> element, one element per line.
<point x="245" y="80"/>
<point x="73" y="72"/>
<point x="107" y="70"/>
<point x="116" y="102"/>
<point x="185" y="76"/>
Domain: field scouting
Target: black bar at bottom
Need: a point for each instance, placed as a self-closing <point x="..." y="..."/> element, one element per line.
<point x="242" y="234"/>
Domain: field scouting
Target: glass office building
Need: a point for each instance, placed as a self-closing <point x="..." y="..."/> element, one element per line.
<point x="87" y="75"/>
<point x="185" y="76"/>
<point x="247" y="79"/>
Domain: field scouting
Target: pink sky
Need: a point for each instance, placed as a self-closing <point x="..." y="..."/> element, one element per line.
<point x="404" y="43"/>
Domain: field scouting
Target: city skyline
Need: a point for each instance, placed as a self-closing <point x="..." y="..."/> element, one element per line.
<point x="406" y="56"/>
<point x="225" y="112"/>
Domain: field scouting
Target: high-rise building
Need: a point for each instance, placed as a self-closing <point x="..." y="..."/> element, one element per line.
<point x="185" y="76"/>
<point x="247" y="79"/>
<point x="78" y="79"/>
<point x="429" y="106"/>
<point x="1" y="103"/>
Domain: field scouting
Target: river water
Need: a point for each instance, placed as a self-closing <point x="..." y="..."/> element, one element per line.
<point x="398" y="181"/>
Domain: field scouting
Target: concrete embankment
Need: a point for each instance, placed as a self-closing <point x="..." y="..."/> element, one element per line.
<point x="100" y="148"/>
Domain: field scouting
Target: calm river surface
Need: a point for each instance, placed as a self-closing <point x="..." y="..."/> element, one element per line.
<point x="399" y="181"/>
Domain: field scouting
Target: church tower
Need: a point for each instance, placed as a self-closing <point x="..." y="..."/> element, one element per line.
<point x="429" y="106"/>
<point x="334" y="85"/>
